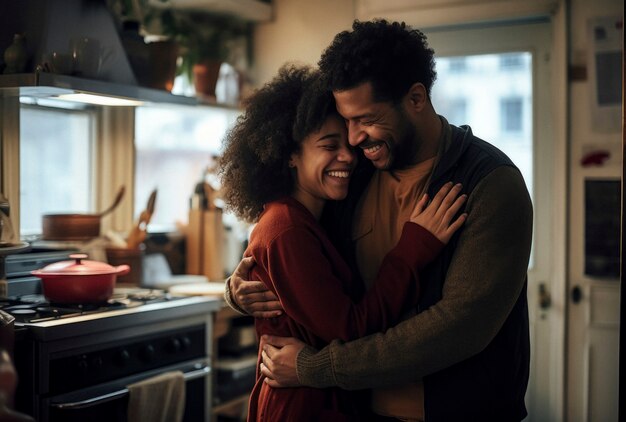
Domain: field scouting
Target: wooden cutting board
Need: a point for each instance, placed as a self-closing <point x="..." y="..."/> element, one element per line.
<point x="211" y="288"/>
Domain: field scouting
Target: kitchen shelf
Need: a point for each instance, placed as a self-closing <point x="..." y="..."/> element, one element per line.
<point x="235" y="408"/>
<point x="50" y="85"/>
<point x="249" y="10"/>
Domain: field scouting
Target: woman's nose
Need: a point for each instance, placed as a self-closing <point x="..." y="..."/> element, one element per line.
<point x="346" y="155"/>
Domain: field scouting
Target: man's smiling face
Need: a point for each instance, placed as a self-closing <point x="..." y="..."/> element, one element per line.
<point x="382" y="130"/>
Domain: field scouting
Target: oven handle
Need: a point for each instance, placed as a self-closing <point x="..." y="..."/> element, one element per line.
<point x="189" y="376"/>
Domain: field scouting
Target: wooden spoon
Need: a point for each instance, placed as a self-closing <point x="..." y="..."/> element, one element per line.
<point x="116" y="202"/>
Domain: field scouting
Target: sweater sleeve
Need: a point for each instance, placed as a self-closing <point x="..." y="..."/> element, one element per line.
<point x="482" y="285"/>
<point x="312" y="294"/>
<point x="228" y="298"/>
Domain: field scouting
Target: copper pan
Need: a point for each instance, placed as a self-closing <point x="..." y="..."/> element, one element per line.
<point x="76" y="226"/>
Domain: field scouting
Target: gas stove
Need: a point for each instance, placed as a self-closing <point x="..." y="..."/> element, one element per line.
<point x="33" y="309"/>
<point x="76" y="361"/>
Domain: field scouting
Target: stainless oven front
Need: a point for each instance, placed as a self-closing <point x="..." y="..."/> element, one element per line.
<point x="109" y="402"/>
<point x="84" y="376"/>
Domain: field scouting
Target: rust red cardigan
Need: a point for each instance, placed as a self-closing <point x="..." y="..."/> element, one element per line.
<point x="323" y="301"/>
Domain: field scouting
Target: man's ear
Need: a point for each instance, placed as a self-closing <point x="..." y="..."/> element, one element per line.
<point x="417" y="96"/>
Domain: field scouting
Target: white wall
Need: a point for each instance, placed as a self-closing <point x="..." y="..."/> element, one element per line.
<point x="300" y="31"/>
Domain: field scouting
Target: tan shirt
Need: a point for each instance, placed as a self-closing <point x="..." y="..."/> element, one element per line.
<point x="380" y="215"/>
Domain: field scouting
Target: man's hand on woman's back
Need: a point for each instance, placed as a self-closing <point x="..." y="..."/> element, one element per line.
<point x="253" y="296"/>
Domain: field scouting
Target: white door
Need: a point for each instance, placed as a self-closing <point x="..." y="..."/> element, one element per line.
<point x="594" y="290"/>
<point x="497" y="80"/>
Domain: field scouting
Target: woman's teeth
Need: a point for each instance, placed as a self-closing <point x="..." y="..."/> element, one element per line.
<point x="342" y="174"/>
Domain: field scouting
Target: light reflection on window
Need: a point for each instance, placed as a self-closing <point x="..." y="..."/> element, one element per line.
<point x="56" y="170"/>
<point x="174" y="147"/>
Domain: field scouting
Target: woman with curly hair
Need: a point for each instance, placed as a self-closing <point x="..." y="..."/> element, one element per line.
<point x="284" y="159"/>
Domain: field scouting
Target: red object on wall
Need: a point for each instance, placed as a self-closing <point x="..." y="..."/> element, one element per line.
<point x="595" y="158"/>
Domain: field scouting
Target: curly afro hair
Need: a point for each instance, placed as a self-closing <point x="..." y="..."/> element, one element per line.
<point x="392" y="56"/>
<point x="255" y="164"/>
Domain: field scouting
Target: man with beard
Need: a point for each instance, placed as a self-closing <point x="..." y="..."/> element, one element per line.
<point x="464" y="353"/>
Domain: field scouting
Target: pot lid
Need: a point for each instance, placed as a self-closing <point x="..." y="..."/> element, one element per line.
<point x="78" y="266"/>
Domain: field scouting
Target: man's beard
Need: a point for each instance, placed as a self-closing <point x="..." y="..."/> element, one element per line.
<point x="404" y="152"/>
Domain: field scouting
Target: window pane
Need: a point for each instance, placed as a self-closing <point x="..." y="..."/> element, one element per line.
<point x="55" y="164"/>
<point x="493" y="94"/>
<point x="511" y="114"/>
<point x="174" y="147"/>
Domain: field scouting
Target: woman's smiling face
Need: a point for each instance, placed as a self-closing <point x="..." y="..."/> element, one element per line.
<point x="323" y="165"/>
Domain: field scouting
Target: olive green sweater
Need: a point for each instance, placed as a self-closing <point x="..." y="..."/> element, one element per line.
<point x="478" y="295"/>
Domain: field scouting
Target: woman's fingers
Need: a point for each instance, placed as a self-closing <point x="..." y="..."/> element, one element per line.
<point x="439" y="197"/>
<point x="419" y="208"/>
<point x="453" y="209"/>
<point x="449" y="200"/>
<point x="438" y="216"/>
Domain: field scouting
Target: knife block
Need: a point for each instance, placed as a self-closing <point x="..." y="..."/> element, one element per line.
<point x="205" y="243"/>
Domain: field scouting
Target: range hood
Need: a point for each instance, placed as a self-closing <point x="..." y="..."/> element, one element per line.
<point x="43" y="85"/>
<point x="50" y="25"/>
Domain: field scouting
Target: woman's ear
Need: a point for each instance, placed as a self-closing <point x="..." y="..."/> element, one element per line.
<point x="417" y="96"/>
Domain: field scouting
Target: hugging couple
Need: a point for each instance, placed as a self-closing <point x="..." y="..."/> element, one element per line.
<point x="387" y="267"/>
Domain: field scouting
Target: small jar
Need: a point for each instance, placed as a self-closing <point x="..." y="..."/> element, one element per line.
<point x="16" y="56"/>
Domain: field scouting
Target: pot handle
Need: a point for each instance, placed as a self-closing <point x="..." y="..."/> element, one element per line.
<point x="122" y="269"/>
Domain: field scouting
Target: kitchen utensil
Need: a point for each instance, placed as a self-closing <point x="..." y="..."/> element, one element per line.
<point x="79" y="280"/>
<point x="116" y="202"/>
<point x="131" y="257"/>
<point x="76" y="226"/>
<point x="138" y="233"/>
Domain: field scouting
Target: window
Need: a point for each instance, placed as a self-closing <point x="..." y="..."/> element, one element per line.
<point x="511" y="61"/>
<point x="511" y="114"/>
<point x="174" y="146"/>
<point x="457" y="64"/>
<point x="494" y="100"/>
<point x="56" y="166"/>
<point x="455" y="110"/>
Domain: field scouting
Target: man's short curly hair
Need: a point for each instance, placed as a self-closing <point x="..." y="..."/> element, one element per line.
<point x="255" y="163"/>
<point x="392" y="56"/>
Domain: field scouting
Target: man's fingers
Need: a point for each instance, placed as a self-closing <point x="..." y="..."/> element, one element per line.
<point x="252" y="287"/>
<point x="266" y="360"/>
<point x="276" y="342"/>
<point x="244" y="266"/>
<point x="268" y="351"/>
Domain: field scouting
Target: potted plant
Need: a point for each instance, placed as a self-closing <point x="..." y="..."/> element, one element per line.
<point x="206" y="42"/>
<point x="203" y="41"/>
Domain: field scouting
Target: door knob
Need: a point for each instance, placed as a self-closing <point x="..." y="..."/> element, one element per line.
<point x="577" y="294"/>
<point x="545" y="300"/>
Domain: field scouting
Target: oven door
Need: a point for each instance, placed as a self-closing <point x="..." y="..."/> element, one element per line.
<point x="109" y="402"/>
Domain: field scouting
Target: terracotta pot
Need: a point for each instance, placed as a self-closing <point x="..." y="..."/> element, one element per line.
<point x="79" y="280"/>
<point x="205" y="75"/>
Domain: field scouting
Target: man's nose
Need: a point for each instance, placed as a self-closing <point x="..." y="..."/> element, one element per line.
<point x="355" y="134"/>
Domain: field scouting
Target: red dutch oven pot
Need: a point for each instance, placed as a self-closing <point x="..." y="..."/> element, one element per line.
<point x="80" y="280"/>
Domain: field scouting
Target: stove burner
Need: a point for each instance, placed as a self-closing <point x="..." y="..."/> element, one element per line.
<point x="35" y="308"/>
<point x="22" y="311"/>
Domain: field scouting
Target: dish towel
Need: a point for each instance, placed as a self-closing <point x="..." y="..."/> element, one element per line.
<point x="157" y="399"/>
